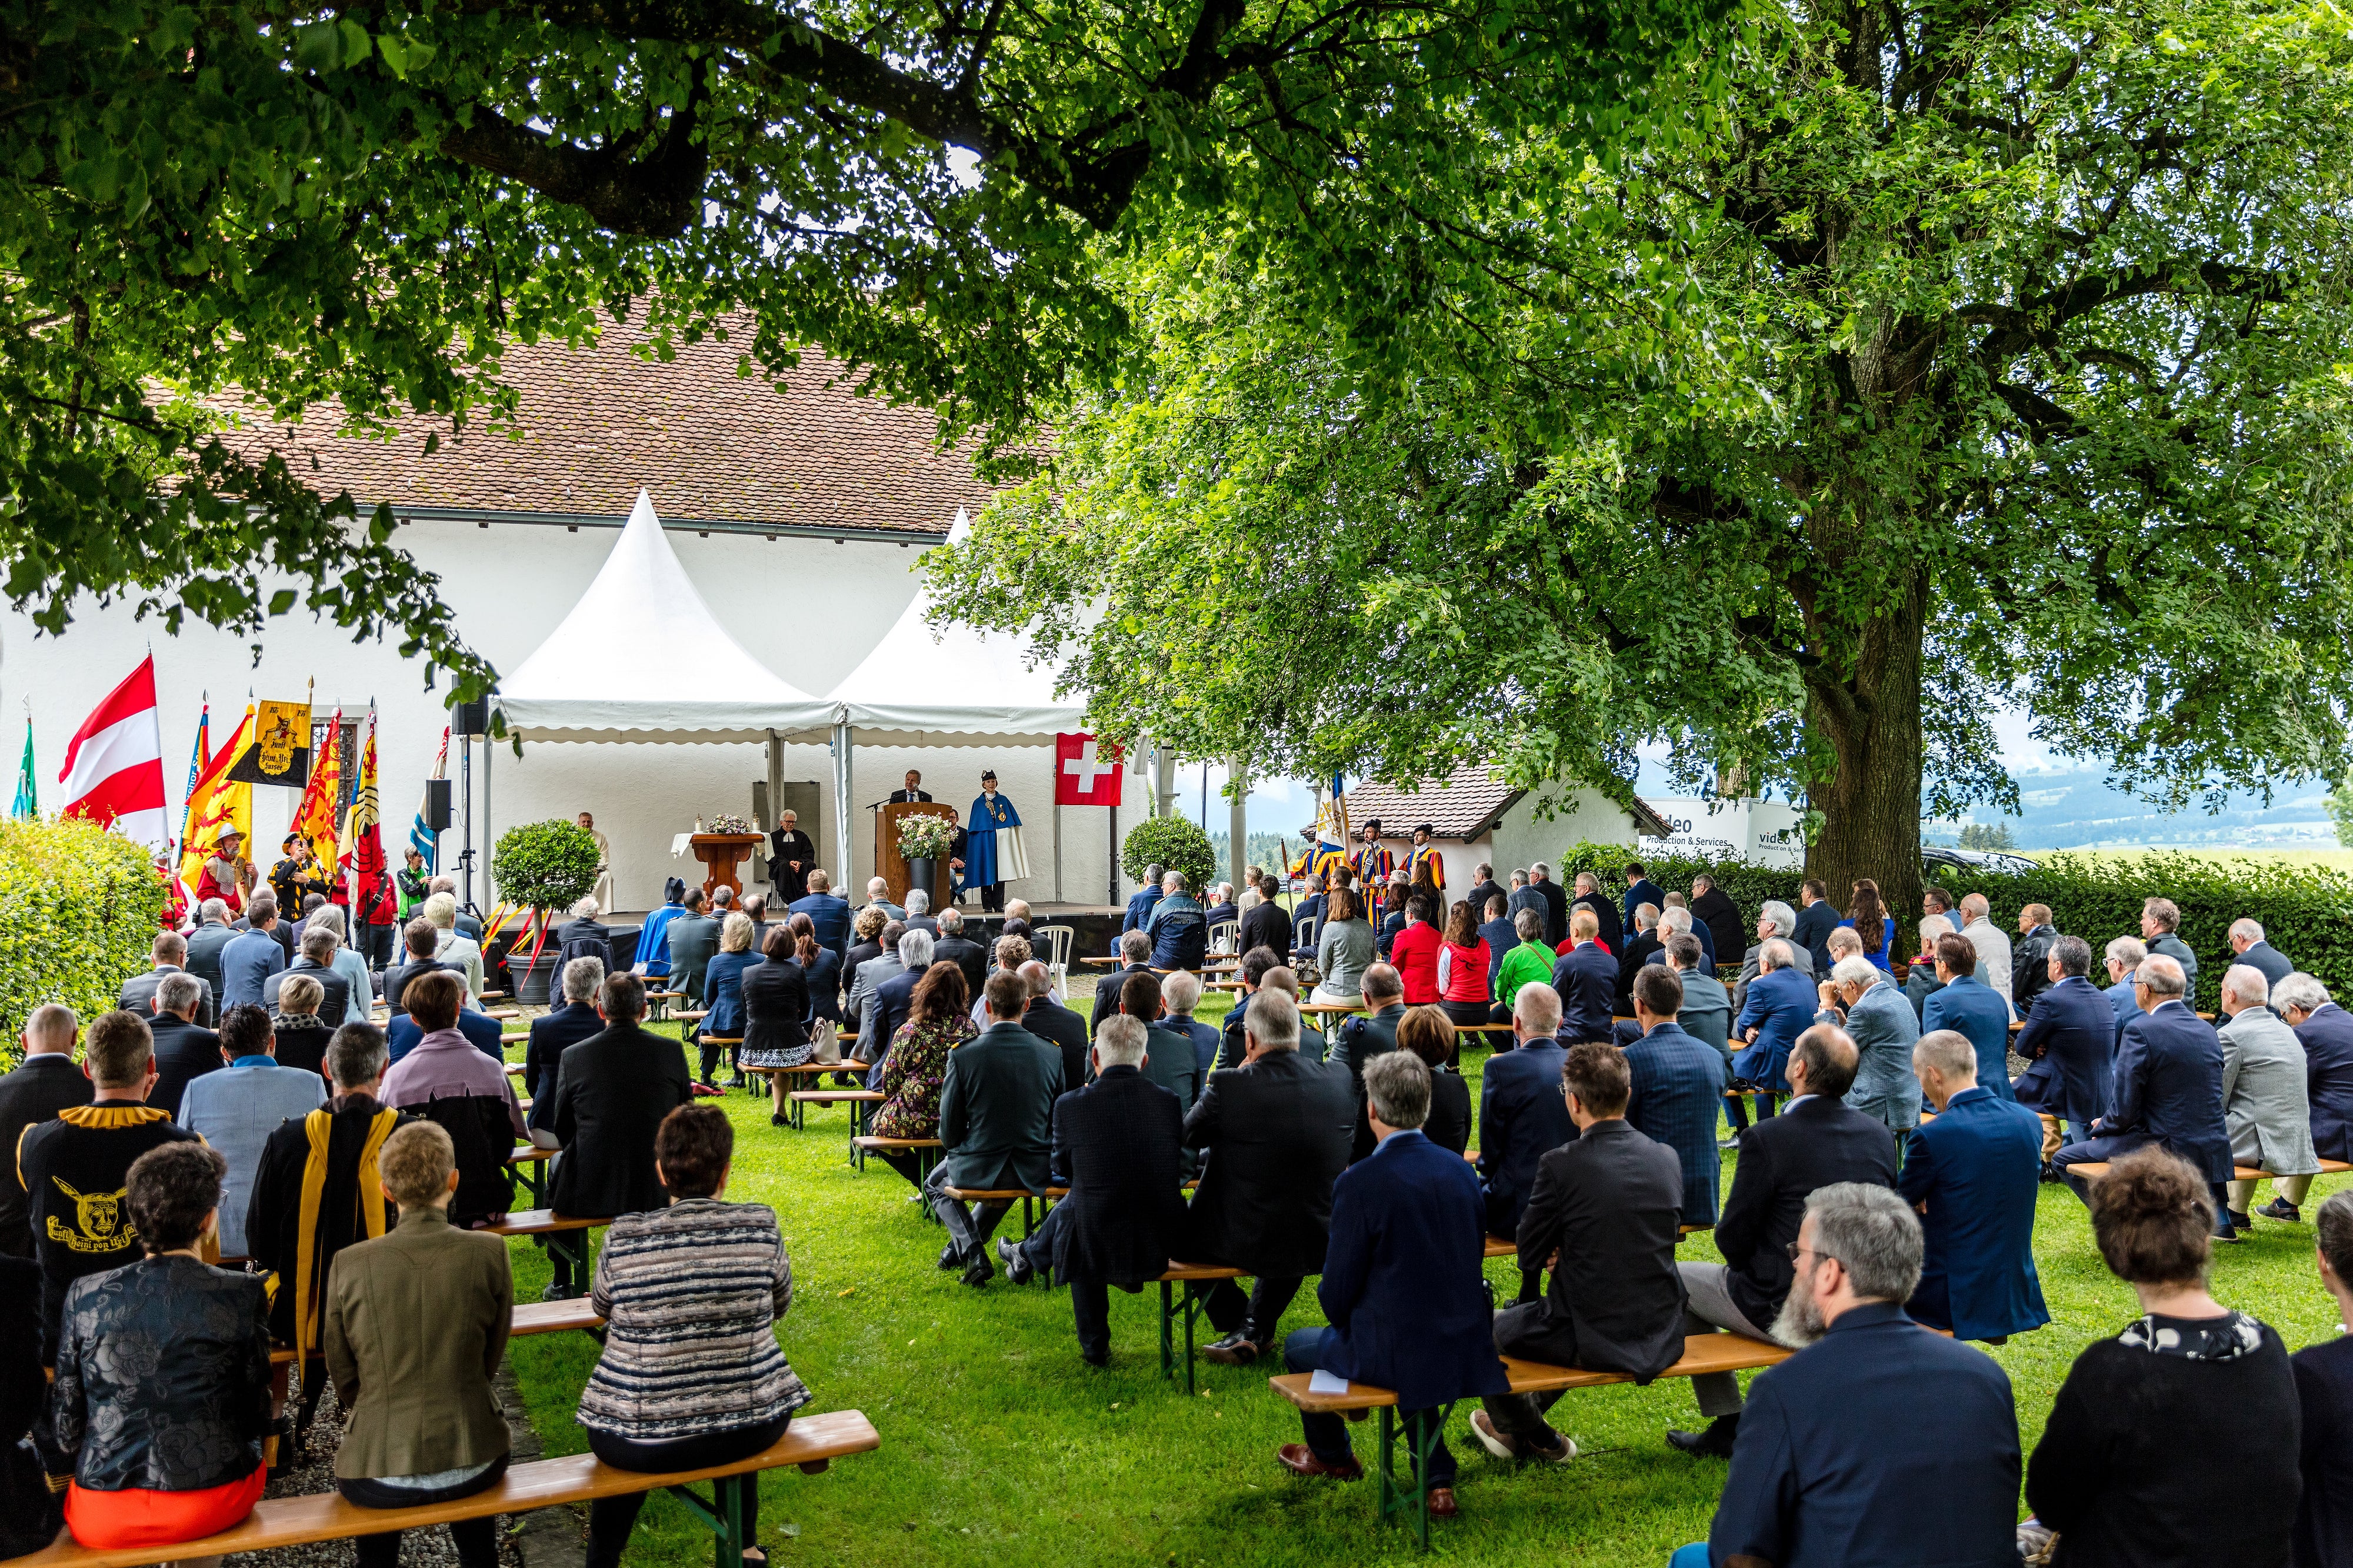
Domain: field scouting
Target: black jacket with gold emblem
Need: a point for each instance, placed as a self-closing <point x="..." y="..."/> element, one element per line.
<point x="74" y="1170"/>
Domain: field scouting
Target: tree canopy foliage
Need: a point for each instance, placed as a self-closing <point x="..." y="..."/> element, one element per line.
<point x="351" y="209"/>
<point x="1964" y="351"/>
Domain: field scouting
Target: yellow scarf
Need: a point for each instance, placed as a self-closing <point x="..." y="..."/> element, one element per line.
<point x="307" y="1283"/>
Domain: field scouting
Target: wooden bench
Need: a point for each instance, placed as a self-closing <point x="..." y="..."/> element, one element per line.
<point x="925" y="1150"/>
<point x="1031" y="1209"/>
<point x="529" y="1161"/>
<point x="528" y="1318"/>
<point x="2091" y="1170"/>
<point x="558" y="1228"/>
<point x="862" y="1103"/>
<point x="1702" y="1354"/>
<point x="1193" y="1276"/>
<point x="811" y="1442"/>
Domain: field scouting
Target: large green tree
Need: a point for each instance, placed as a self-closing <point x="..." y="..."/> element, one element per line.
<point x="351" y="208"/>
<point x="1972" y="353"/>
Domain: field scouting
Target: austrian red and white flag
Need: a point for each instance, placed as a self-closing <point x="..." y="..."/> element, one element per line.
<point x="114" y="763"/>
<point x="1084" y="773"/>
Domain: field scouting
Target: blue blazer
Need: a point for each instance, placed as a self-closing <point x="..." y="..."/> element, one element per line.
<point x="1586" y="979"/>
<point x="1782" y="1006"/>
<point x="1978" y="1168"/>
<point x="1837" y="1463"/>
<point x="722" y="992"/>
<point x="2071" y="1038"/>
<point x="2168" y="1091"/>
<point x="1403" y="1283"/>
<point x="1521" y="1116"/>
<point x="1678" y="1086"/>
<point x="1815" y="923"/>
<point x="829" y="915"/>
<point x="1645" y="892"/>
<point x="2125" y="1005"/>
<point x="1977" y="1010"/>
<point x="2327" y="1038"/>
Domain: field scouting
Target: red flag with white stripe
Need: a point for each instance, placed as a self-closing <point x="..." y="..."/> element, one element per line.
<point x="114" y="764"/>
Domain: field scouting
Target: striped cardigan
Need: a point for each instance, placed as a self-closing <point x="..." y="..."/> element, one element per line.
<point x="690" y="1294"/>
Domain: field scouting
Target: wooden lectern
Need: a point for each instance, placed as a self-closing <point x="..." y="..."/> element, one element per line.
<point x="891" y="866"/>
<point x="721" y="852"/>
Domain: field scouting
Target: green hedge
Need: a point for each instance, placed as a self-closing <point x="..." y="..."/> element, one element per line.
<point x="2307" y="910"/>
<point x="79" y="908"/>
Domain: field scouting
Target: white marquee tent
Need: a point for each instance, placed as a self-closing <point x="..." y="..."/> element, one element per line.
<point x="616" y="667"/>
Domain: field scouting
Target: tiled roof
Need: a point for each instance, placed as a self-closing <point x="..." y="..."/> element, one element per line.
<point x="1464" y="806"/>
<point x="596" y="423"/>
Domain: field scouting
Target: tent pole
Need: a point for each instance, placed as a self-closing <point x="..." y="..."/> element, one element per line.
<point x="841" y="803"/>
<point x="1058" y="851"/>
<point x="1237" y="821"/>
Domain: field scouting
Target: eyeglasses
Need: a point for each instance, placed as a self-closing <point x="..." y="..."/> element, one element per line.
<point x="1797" y="1252"/>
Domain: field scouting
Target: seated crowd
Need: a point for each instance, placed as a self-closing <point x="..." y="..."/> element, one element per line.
<point x="1889" y="1180"/>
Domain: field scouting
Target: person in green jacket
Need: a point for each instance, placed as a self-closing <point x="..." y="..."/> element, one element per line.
<point x="1532" y="960"/>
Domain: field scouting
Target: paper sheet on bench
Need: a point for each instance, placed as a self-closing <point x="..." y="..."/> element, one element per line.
<point x="1326" y="1383"/>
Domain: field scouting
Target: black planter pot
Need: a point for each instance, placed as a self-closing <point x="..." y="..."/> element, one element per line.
<point x="923" y="874"/>
<point x="531" y="983"/>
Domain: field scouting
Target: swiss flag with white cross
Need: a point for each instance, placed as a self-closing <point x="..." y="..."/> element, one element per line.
<point x="1084" y="774"/>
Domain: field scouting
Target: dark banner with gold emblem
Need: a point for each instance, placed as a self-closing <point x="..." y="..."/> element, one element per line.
<point x="281" y="752"/>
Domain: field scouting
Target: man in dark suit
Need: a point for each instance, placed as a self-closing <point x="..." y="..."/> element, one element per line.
<point x="1180" y="993"/>
<point x="571" y="1021"/>
<point x="316" y="959"/>
<point x="1278" y="1129"/>
<point x="1171" y="1065"/>
<point x="1258" y="963"/>
<point x="1639" y="890"/>
<point x="1969" y="1003"/>
<point x="1117" y="1147"/>
<point x="1367" y="1036"/>
<point x="1712" y="908"/>
<point x="1140" y="905"/>
<point x="893" y="1003"/>
<point x="2247" y="942"/>
<point x="1556" y="902"/>
<point x="1484" y="887"/>
<point x="2030" y="957"/>
<point x="1525" y="895"/>
<point x="2070" y="1040"/>
<point x="612" y="1091"/>
<point x="184" y="1050"/>
<point x="1496" y="930"/>
<point x="997" y="1123"/>
<point x="1839" y="1465"/>
<point x="1606" y="1203"/>
<point x="1265" y="924"/>
<point x="171" y="957"/>
<point x="1677" y="1084"/>
<point x="1817" y="1142"/>
<point x="1608" y="929"/>
<point x="919" y="914"/>
<point x="1401" y="1287"/>
<point x="46" y="1082"/>
<point x="2169" y="1091"/>
<point x="212" y="932"/>
<point x="2124" y="956"/>
<point x="829" y="914"/>
<point x="1643" y="947"/>
<point x="1135" y="952"/>
<point x="418" y="940"/>
<point x="1221" y="906"/>
<point x="1520" y="1114"/>
<point x="1972" y="1171"/>
<point x="1586" y="978"/>
<point x="482" y="1031"/>
<point x="693" y="941"/>
<point x="1816" y="919"/>
<point x="1054" y="1024"/>
<point x="911" y="790"/>
<point x="2325" y="1032"/>
<point x="952" y="946"/>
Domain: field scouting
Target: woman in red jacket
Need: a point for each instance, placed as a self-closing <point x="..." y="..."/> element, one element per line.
<point x="1465" y="968"/>
<point x="1415" y="954"/>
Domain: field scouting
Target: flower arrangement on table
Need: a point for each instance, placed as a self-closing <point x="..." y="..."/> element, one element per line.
<point x="925" y="837"/>
<point x="724" y="822"/>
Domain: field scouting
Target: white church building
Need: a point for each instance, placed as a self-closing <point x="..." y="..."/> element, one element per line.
<point x="798" y="523"/>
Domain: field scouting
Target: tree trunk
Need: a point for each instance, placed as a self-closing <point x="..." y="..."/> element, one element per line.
<point x="1871" y="803"/>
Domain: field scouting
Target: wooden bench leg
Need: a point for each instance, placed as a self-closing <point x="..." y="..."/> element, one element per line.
<point x="1167" y="1330"/>
<point x="572" y="1246"/>
<point x="1419" y="1445"/>
<point x="724" y="1516"/>
<point x="529" y="1170"/>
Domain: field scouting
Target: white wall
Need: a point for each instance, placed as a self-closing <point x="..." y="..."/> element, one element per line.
<point x="810" y="609"/>
<point x="1582" y="815"/>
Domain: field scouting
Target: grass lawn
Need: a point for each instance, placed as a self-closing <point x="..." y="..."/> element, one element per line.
<point x="999" y="1446"/>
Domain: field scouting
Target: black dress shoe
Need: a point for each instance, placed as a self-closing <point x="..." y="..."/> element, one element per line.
<point x="1236" y="1349"/>
<point x="950" y="1257"/>
<point x="980" y="1271"/>
<point x="1016" y="1268"/>
<point x="1716" y="1442"/>
<point x="1092" y="1359"/>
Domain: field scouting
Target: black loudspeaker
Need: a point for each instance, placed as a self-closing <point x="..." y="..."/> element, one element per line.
<point x="437" y="805"/>
<point x="470" y="717"/>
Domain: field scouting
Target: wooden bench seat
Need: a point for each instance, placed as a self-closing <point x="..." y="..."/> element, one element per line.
<point x="1034" y="1206"/>
<point x="529" y="1161"/>
<point x="925" y="1150"/>
<point x="862" y="1103"/>
<point x="1702" y="1354"/>
<point x="529" y="1318"/>
<point x="812" y="1443"/>
<point x="2091" y="1170"/>
<point x="561" y="1231"/>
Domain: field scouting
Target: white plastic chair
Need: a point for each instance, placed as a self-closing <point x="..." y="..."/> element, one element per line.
<point x="1058" y="939"/>
<point x="1223" y="935"/>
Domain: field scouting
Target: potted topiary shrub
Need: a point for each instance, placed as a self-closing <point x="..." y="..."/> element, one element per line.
<point x="546" y="867"/>
<point x="1173" y="844"/>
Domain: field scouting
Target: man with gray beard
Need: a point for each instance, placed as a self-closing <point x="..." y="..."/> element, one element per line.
<point x="1835" y="1464"/>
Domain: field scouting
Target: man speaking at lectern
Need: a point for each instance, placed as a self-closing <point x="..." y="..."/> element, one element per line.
<point x="913" y="791"/>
